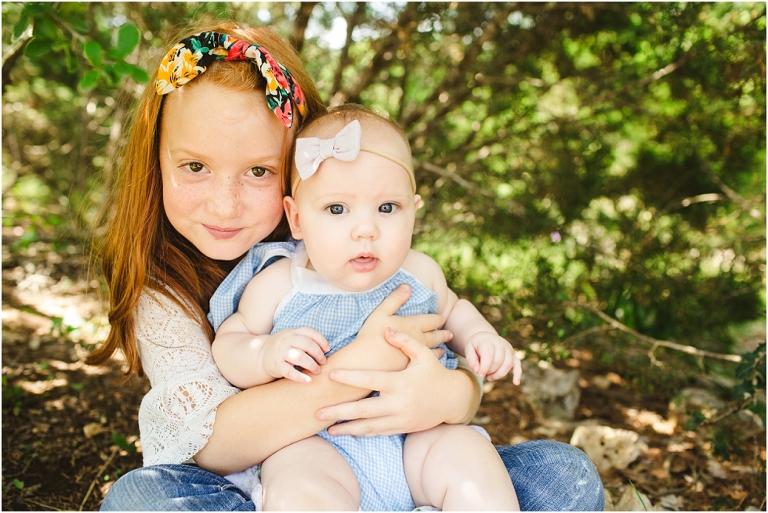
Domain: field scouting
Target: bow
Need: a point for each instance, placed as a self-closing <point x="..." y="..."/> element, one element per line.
<point x="312" y="151"/>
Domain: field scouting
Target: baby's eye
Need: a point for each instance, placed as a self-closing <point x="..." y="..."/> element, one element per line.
<point x="387" y="208"/>
<point x="337" y="209"/>
<point x="259" y="171"/>
<point x="195" y="167"/>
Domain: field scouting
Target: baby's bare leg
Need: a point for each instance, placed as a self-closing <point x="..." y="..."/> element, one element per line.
<point x="455" y="468"/>
<point x="309" y="475"/>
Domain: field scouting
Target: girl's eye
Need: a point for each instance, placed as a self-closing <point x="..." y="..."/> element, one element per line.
<point x="259" y="171"/>
<point x="195" y="167"/>
<point x="387" y="208"/>
<point x="337" y="209"/>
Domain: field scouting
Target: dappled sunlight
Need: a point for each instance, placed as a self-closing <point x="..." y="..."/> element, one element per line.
<point x="640" y="419"/>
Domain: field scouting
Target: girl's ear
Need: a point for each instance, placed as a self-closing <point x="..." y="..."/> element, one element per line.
<point x="418" y="201"/>
<point x="292" y="214"/>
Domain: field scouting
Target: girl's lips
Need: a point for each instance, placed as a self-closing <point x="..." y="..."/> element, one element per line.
<point x="364" y="264"/>
<point x="222" y="233"/>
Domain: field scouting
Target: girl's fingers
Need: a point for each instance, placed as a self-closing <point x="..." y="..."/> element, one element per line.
<point x="370" y="407"/>
<point x="365" y="379"/>
<point x="436" y="337"/>
<point x="406" y="343"/>
<point x="365" y="427"/>
<point x="394" y="300"/>
<point x="438" y="352"/>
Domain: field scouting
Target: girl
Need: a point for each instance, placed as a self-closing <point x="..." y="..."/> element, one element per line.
<point x="196" y="188"/>
<point x="354" y="205"/>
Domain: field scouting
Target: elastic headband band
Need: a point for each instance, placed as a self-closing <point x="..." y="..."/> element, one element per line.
<point x="345" y="146"/>
<point x="191" y="57"/>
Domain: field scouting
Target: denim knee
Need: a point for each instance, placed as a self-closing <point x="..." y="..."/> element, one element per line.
<point x="553" y="476"/>
<point x="174" y="487"/>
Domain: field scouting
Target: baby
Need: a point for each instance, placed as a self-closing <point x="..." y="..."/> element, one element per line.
<point x="353" y="206"/>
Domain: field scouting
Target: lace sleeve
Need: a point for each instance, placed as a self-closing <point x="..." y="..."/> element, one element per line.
<point x="176" y="417"/>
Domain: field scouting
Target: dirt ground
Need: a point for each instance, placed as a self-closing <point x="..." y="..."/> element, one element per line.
<point x="68" y="431"/>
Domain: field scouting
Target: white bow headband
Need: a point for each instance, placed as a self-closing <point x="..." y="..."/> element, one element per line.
<point x="312" y="151"/>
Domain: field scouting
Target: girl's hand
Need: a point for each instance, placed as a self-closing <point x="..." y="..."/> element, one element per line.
<point x="424" y="328"/>
<point x="410" y="400"/>
<point x="490" y="356"/>
<point x="287" y="349"/>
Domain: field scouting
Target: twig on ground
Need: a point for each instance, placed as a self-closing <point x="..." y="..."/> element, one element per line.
<point x="36" y="503"/>
<point x="650" y="340"/>
<point x="98" y="475"/>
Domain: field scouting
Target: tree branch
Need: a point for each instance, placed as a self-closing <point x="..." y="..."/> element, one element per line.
<point x="650" y="340"/>
<point x="732" y="195"/>
<point x="344" y="60"/>
<point x="470" y="187"/>
<point x="300" y="25"/>
<point x="11" y="55"/>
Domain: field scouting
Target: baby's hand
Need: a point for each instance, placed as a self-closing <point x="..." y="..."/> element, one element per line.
<point x="302" y="347"/>
<point x="492" y="357"/>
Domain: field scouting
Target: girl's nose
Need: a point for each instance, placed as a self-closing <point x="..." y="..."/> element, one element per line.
<point x="224" y="198"/>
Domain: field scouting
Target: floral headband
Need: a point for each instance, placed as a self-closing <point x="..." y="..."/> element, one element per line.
<point x="192" y="56"/>
<point x="312" y="151"/>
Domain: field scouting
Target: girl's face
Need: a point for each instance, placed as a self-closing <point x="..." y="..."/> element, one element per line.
<point x="220" y="157"/>
<point x="356" y="219"/>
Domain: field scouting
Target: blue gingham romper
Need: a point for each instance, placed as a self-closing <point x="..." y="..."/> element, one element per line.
<point x="338" y="315"/>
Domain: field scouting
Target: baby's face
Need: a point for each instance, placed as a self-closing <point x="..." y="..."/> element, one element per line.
<point x="356" y="219"/>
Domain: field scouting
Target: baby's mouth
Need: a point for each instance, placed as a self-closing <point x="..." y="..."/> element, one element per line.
<point x="364" y="262"/>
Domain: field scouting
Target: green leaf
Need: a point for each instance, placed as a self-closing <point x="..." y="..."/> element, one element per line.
<point x="138" y="74"/>
<point x="94" y="52"/>
<point x="77" y="387"/>
<point x="21" y="26"/>
<point x="79" y="25"/>
<point x="18" y="484"/>
<point x="89" y="80"/>
<point x="37" y="47"/>
<point x="127" y="38"/>
<point x="46" y="29"/>
<point x="120" y="441"/>
<point x="114" y="54"/>
<point x="121" y="69"/>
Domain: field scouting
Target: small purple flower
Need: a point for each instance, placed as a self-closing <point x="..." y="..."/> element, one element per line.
<point x="555" y="236"/>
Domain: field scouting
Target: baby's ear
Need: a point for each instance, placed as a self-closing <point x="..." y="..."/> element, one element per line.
<point x="292" y="214"/>
<point x="418" y="201"/>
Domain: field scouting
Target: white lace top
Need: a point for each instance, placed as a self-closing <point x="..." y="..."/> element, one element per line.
<point x="176" y="417"/>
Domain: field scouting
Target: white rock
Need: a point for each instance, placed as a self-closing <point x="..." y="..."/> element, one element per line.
<point x="608" y="447"/>
<point x="552" y="393"/>
<point x="671" y="502"/>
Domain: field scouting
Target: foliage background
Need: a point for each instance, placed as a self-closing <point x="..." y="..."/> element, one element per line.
<point x="594" y="173"/>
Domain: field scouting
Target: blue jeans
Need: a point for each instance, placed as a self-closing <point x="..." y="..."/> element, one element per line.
<point x="548" y="476"/>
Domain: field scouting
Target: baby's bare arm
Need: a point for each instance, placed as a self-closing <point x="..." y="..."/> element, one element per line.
<point x="486" y="352"/>
<point x="237" y="348"/>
